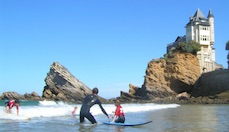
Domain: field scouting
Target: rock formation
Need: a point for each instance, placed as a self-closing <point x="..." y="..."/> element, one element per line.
<point x="11" y="95"/>
<point x="169" y="77"/>
<point x="15" y="95"/>
<point x="177" y="79"/>
<point x="32" y="96"/>
<point x="62" y="85"/>
<point x="214" y="84"/>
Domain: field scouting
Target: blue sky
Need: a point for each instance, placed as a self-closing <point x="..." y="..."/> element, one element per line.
<point x="103" y="43"/>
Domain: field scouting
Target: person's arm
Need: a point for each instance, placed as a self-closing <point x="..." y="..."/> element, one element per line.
<point x="103" y="110"/>
<point x="115" y="114"/>
<point x="114" y="118"/>
<point x="101" y="107"/>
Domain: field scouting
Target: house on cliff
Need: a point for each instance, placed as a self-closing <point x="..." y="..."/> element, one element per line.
<point x="200" y="29"/>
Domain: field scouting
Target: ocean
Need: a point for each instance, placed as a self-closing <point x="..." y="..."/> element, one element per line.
<point x="50" y="116"/>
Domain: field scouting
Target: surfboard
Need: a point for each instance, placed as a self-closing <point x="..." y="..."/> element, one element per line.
<point x="126" y="124"/>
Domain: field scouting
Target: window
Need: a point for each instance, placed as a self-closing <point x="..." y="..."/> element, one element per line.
<point x="204" y="38"/>
<point x="204" y="28"/>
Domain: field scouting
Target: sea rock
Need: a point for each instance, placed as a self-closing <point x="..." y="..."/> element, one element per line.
<point x="11" y="95"/>
<point x="15" y="95"/>
<point x="32" y="96"/>
<point x="177" y="79"/>
<point x="169" y="77"/>
<point x="214" y="84"/>
<point x="62" y="85"/>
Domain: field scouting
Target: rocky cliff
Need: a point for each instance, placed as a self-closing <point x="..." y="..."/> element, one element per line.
<point x="62" y="85"/>
<point x="167" y="77"/>
<point x="177" y="79"/>
<point x="175" y="75"/>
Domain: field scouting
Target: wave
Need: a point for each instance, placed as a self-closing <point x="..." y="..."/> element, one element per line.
<point x="56" y="109"/>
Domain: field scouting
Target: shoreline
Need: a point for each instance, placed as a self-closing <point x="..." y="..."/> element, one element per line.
<point x="166" y="100"/>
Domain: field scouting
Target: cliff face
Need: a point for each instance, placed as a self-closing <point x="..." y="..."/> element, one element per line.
<point x="167" y="78"/>
<point x="62" y="85"/>
<point x="177" y="75"/>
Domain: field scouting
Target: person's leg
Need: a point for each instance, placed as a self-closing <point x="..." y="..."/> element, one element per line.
<point x="117" y="120"/>
<point x="81" y="118"/>
<point x="91" y="118"/>
<point x="7" y="109"/>
<point x="120" y="119"/>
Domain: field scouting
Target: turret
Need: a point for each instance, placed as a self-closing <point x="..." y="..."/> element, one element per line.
<point x="211" y="22"/>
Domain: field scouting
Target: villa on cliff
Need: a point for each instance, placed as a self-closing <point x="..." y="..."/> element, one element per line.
<point x="200" y="29"/>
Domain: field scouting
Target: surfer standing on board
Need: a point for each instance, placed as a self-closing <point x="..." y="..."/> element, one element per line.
<point x="10" y="104"/>
<point x="119" y="114"/>
<point x="88" y="102"/>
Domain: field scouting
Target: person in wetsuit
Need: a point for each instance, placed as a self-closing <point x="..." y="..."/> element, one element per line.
<point x="10" y="104"/>
<point x="88" y="102"/>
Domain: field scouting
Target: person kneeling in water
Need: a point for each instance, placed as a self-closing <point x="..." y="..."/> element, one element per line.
<point x="119" y="114"/>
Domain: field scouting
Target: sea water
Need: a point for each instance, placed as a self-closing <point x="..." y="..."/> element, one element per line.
<point x="56" y="116"/>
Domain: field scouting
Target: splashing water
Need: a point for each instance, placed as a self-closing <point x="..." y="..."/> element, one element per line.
<point x="46" y="109"/>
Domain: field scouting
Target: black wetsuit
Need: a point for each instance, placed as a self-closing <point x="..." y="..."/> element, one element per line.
<point x="88" y="102"/>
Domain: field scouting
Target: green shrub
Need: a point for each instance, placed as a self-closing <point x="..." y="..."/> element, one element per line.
<point x="190" y="47"/>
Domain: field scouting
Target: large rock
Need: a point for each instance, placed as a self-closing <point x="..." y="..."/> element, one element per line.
<point x="15" y="95"/>
<point x="175" y="75"/>
<point x="11" y="95"/>
<point x="32" y="96"/>
<point x="62" y="85"/>
<point x="213" y="84"/>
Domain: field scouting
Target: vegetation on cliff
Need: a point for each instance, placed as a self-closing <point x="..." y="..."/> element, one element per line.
<point x="190" y="47"/>
<point x="185" y="47"/>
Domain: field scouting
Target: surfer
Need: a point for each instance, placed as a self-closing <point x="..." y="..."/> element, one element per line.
<point x="74" y="111"/>
<point x="88" y="102"/>
<point x="119" y="114"/>
<point x="10" y="104"/>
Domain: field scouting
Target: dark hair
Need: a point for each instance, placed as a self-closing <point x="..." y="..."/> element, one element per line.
<point x="95" y="90"/>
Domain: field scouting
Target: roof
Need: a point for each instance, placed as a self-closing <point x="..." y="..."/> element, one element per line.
<point x="210" y="14"/>
<point x="198" y="16"/>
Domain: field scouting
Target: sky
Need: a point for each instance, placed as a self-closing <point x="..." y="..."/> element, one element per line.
<point x="103" y="43"/>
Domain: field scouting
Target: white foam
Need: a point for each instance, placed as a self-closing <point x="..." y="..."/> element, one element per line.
<point x="55" y="109"/>
<point x="133" y="108"/>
